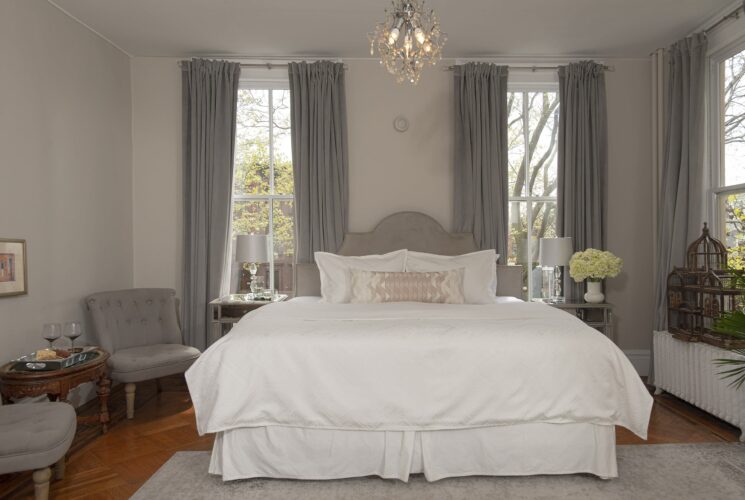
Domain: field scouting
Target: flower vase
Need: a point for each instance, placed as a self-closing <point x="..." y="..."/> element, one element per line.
<point x="594" y="293"/>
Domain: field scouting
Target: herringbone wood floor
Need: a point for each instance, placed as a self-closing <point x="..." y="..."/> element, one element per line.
<point x="117" y="464"/>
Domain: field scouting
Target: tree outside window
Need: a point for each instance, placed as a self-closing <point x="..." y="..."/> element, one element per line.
<point x="731" y="193"/>
<point x="533" y="145"/>
<point x="263" y="201"/>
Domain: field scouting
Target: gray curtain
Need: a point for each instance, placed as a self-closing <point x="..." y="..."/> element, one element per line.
<point x="319" y="156"/>
<point x="683" y="183"/>
<point x="480" y="183"/>
<point x="582" y="161"/>
<point x="209" y="98"/>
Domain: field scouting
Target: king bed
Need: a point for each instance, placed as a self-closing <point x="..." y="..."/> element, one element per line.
<point x="308" y="389"/>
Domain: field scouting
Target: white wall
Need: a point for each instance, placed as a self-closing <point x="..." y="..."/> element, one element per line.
<point x="156" y="172"/>
<point x="65" y="166"/>
<point x="630" y="199"/>
<point x="392" y="171"/>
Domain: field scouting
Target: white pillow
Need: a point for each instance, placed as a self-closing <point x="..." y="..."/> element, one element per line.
<point x="480" y="279"/>
<point x="372" y="287"/>
<point x="335" y="271"/>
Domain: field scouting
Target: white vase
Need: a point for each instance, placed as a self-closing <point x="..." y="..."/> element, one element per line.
<point x="594" y="293"/>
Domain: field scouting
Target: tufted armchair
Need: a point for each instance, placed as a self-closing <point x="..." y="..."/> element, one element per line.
<point x="141" y="330"/>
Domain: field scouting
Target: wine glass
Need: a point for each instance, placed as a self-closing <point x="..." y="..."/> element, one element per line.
<point x="52" y="331"/>
<point x="73" y="330"/>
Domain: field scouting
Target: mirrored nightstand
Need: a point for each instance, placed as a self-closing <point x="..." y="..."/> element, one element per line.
<point x="228" y="310"/>
<point x="598" y="316"/>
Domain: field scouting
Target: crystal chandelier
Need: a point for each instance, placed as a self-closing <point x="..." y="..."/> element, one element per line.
<point x="408" y="39"/>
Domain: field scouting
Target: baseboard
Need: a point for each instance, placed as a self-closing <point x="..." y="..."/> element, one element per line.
<point x="641" y="359"/>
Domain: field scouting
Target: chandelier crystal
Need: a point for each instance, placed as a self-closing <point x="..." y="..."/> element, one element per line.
<point x="408" y="40"/>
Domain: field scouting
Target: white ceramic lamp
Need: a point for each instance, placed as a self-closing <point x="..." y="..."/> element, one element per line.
<point x="553" y="254"/>
<point x="252" y="249"/>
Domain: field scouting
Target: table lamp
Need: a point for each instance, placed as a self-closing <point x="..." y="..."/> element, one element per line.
<point x="253" y="250"/>
<point x="553" y="254"/>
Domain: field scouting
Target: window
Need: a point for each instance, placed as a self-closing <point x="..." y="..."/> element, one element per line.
<point x="263" y="201"/>
<point x="533" y="144"/>
<point x="730" y="155"/>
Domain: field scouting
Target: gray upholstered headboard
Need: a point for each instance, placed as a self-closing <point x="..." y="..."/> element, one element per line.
<point x="414" y="231"/>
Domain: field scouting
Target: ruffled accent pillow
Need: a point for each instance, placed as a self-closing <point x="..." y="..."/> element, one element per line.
<point x="442" y="287"/>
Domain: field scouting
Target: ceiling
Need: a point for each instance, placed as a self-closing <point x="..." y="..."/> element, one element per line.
<point x="291" y="28"/>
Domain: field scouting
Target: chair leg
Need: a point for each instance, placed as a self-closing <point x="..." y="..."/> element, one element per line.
<point x="158" y="385"/>
<point x="41" y="483"/>
<point x="59" y="469"/>
<point x="129" y="390"/>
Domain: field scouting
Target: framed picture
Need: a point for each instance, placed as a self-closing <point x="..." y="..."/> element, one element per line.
<point x="13" y="279"/>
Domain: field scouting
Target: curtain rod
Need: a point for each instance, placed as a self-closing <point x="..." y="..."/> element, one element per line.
<point x="263" y="65"/>
<point x="735" y="14"/>
<point x="534" y="68"/>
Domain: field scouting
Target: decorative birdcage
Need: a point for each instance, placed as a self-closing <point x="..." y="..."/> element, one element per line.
<point x="707" y="253"/>
<point x="698" y="294"/>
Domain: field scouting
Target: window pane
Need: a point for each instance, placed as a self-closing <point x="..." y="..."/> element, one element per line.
<point x="733" y="126"/>
<point x="248" y="217"/>
<point x="543" y="215"/>
<point x="282" y="146"/>
<point x="517" y="242"/>
<point x="543" y="142"/>
<point x="283" y="219"/>
<point x="732" y="210"/>
<point x="531" y="218"/>
<point x="252" y="143"/>
<point x="516" y="144"/>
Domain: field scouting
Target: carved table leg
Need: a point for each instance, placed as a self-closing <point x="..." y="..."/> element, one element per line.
<point x="104" y="389"/>
<point x="52" y="397"/>
<point x="7" y="400"/>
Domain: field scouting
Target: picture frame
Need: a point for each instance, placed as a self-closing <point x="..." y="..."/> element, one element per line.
<point x="13" y="268"/>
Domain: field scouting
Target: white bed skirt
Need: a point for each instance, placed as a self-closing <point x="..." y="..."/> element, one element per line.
<point x="514" y="450"/>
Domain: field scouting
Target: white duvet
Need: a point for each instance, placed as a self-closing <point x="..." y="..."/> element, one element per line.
<point x="411" y="366"/>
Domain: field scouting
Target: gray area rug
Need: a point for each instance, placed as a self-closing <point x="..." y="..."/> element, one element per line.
<point x="675" y="471"/>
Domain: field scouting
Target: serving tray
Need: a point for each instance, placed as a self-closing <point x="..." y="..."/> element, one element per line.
<point x="30" y="363"/>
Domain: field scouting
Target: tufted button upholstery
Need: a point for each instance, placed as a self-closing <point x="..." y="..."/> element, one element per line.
<point x="140" y="329"/>
<point x="129" y="318"/>
<point x="34" y="435"/>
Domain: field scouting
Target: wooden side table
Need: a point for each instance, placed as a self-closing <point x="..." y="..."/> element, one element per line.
<point x="228" y="310"/>
<point x="57" y="384"/>
<point x="598" y="316"/>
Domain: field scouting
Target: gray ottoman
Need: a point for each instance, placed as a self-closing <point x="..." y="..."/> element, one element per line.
<point x="35" y="436"/>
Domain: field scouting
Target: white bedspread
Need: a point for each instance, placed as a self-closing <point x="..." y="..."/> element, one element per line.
<point x="411" y="366"/>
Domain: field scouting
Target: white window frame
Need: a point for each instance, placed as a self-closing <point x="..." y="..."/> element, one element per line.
<point x="715" y="143"/>
<point x="550" y="84"/>
<point x="269" y="84"/>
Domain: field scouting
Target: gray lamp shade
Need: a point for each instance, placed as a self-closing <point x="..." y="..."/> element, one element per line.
<point x="555" y="251"/>
<point x="251" y="248"/>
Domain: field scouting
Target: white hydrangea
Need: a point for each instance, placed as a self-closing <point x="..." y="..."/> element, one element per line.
<point x="594" y="265"/>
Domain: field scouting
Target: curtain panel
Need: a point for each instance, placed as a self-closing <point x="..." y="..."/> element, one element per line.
<point x="481" y="165"/>
<point x="209" y="99"/>
<point x="683" y="178"/>
<point x="319" y="156"/>
<point x="582" y="160"/>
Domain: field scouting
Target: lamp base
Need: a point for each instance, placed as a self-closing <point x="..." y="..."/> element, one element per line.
<point x="556" y="295"/>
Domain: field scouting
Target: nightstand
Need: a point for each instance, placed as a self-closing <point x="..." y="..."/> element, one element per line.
<point x="598" y="316"/>
<point x="228" y="310"/>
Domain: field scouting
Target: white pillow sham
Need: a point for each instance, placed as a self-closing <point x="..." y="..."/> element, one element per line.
<point x="335" y="271"/>
<point x="480" y="278"/>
